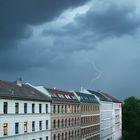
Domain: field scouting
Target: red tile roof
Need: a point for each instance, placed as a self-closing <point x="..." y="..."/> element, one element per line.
<point x="62" y="96"/>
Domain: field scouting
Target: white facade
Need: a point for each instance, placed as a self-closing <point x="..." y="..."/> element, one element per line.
<point x="117" y="121"/>
<point x="17" y="124"/>
<point x="106" y="120"/>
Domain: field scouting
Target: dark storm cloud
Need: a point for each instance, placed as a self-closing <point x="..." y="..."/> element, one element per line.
<point x="97" y="24"/>
<point x="112" y="20"/>
<point x="40" y="44"/>
<point x="17" y="15"/>
<point x="26" y="58"/>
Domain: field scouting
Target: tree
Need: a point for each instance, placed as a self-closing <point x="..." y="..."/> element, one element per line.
<point x="131" y="119"/>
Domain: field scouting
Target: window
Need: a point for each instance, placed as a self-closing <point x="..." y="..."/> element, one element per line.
<point x="72" y="133"/>
<point x="69" y="134"/>
<point x="54" y="137"/>
<point x="78" y="108"/>
<point x="33" y="108"/>
<point x="58" y="109"/>
<point x="75" y="121"/>
<point x="75" y="134"/>
<point x="62" y="136"/>
<point x="54" y="109"/>
<point x="62" y="110"/>
<point x="65" y="108"/>
<point x="16" y="108"/>
<point x="46" y="108"/>
<point x="40" y="108"/>
<point x="75" y="109"/>
<point x="62" y="123"/>
<point x="25" y="127"/>
<point x="72" y="122"/>
<point x="5" y="107"/>
<point x="46" y="124"/>
<point x="69" y="122"/>
<point x="54" y="123"/>
<point x="78" y="122"/>
<point x="78" y="133"/>
<point x="47" y="137"/>
<point x="58" y="123"/>
<point x="16" y="128"/>
<point x="58" y="136"/>
<point x="65" y="122"/>
<point x="5" y="129"/>
<point x="67" y="96"/>
<point x="65" y="135"/>
<point x="25" y="108"/>
<point x="40" y="125"/>
<point x="33" y="125"/>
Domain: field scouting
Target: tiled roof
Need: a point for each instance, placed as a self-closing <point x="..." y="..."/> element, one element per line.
<point x="86" y="98"/>
<point x="99" y="95"/>
<point x="11" y="90"/>
<point x="113" y="99"/>
<point x="62" y="96"/>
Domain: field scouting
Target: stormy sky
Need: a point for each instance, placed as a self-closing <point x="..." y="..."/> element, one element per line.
<point x="69" y="44"/>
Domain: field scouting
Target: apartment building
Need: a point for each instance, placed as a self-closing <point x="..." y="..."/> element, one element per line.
<point x="90" y="116"/>
<point x="117" y="116"/>
<point x="24" y="112"/>
<point x="65" y="114"/>
<point x="106" y="115"/>
<point x="39" y="113"/>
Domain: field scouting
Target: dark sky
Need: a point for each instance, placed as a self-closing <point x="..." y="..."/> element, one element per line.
<point x="69" y="44"/>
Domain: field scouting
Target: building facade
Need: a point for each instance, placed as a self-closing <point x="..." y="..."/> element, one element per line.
<point x="117" y="116"/>
<point x="106" y="115"/>
<point x="30" y="112"/>
<point x="90" y="116"/>
<point x="65" y="114"/>
<point x="24" y="112"/>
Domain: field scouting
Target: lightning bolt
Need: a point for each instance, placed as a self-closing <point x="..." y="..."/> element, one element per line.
<point x="97" y="77"/>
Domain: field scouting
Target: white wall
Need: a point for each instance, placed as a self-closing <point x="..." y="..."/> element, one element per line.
<point x="106" y="120"/>
<point x="117" y="120"/>
<point x="11" y="118"/>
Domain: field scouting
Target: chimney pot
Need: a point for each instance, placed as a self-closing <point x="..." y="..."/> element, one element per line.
<point x="19" y="81"/>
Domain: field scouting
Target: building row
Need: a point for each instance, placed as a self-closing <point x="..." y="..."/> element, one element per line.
<point x="40" y="113"/>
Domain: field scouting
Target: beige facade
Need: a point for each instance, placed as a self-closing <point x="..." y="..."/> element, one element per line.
<point x="90" y="121"/>
<point x="90" y="116"/>
<point x="65" y="115"/>
<point x="65" y="121"/>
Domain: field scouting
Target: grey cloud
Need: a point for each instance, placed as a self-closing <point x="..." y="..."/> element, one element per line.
<point x="30" y="56"/>
<point x="62" y="57"/>
<point x="100" y="23"/>
<point x="17" y="15"/>
<point x="111" y="20"/>
<point x="114" y="20"/>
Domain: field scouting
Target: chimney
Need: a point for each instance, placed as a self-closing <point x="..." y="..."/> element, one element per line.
<point x="82" y="89"/>
<point x="19" y="81"/>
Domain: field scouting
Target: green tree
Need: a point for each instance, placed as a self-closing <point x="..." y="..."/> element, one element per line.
<point x="131" y="119"/>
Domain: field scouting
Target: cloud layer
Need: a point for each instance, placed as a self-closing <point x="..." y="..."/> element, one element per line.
<point x="68" y="44"/>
